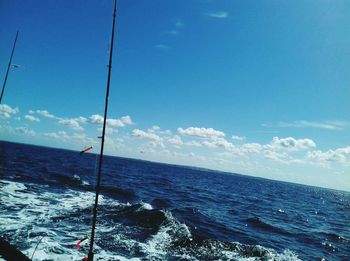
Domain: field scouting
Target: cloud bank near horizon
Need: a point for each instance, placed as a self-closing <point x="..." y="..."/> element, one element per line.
<point x="198" y="146"/>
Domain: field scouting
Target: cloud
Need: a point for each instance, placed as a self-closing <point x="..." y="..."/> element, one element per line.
<point x="219" y="143"/>
<point x="126" y="119"/>
<point x="176" y="140"/>
<point x="220" y="14"/>
<point x="45" y="113"/>
<point x="238" y="138"/>
<point x="173" y="32"/>
<point x="80" y="119"/>
<point x="291" y="144"/>
<point x="107" y="130"/>
<point x="72" y="123"/>
<point x="193" y="143"/>
<point x="76" y="138"/>
<point x="276" y="156"/>
<point x="6" y="111"/>
<point x="61" y="135"/>
<point x="328" y="125"/>
<point x="306" y="124"/>
<point x="341" y="155"/>
<point x="162" y="47"/>
<point x="146" y="135"/>
<point x="117" y="123"/>
<point x="96" y="118"/>
<point x="156" y="129"/>
<point x="251" y="148"/>
<point x="31" y="118"/>
<point x="178" y="24"/>
<point x="201" y="132"/>
<point x="25" y="131"/>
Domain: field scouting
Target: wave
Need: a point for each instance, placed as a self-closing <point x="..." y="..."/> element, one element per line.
<point x="137" y="231"/>
<point x="263" y="225"/>
<point x="75" y="181"/>
<point x="118" y="193"/>
<point x="334" y="237"/>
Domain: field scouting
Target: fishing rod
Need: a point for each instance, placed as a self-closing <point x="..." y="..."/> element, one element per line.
<point x="8" y="67"/>
<point x="91" y="253"/>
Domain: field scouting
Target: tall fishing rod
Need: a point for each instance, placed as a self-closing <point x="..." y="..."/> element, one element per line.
<point x="98" y="180"/>
<point x="8" y="68"/>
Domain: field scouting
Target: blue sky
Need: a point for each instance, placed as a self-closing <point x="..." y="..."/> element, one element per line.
<point x="253" y="87"/>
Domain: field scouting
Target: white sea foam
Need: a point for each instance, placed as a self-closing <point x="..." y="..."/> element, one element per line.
<point x="32" y="212"/>
<point x="157" y="245"/>
<point x="147" y="206"/>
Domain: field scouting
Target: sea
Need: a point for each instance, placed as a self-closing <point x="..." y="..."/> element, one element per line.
<point x="153" y="211"/>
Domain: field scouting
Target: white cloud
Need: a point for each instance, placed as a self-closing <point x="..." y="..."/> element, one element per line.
<point x="31" y="118"/>
<point x="117" y="123"/>
<point x="25" y="131"/>
<point x="155" y="144"/>
<point x="176" y="140"/>
<point x="177" y="27"/>
<point x="339" y="123"/>
<point x="281" y="157"/>
<point x="328" y="125"/>
<point x="290" y="144"/>
<point x="193" y="143"/>
<point x="179" y="23"/>
<point x="201" y="132"/>
<point x="251" y="148"/>
<point x="162" y="47"/>
<point x="281" y="150"/>
<point x="156" y="128"/>
<point x="341" y="155"/>
<point x="74" y="124"/>
<point x="146" y="135"/>
<point x="173" y="32"/>
<point x="45" y="113"/>
<point x="6" y="111"/>
<point x="52" y="135"/>
<point x="220" y="14"/>
<point x="189" y="156"/>
<point x="96" y="118"/>
<point x="238" y="138"/>
<point x="80" y="119"/>
<point x="219" y="143"/>
<point x="126" y="119"/>
<point x="107" y="130"/>
<point x="209" y="144"/>
<point x="78" y="139"/>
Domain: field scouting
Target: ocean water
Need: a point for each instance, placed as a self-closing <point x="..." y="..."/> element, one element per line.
<point x="151" y="211"/>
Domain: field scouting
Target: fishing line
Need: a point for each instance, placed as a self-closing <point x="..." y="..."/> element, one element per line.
<point x="36" y="247"/>
<point x="95" y="169"/>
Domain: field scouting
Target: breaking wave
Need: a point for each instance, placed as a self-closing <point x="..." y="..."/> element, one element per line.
<point x="125" y="231"/>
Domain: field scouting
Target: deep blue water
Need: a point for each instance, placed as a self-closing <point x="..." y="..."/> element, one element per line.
<point x="152" y="211"/>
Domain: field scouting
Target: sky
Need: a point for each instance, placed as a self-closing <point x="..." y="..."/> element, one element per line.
<point x="258" y="88"/>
